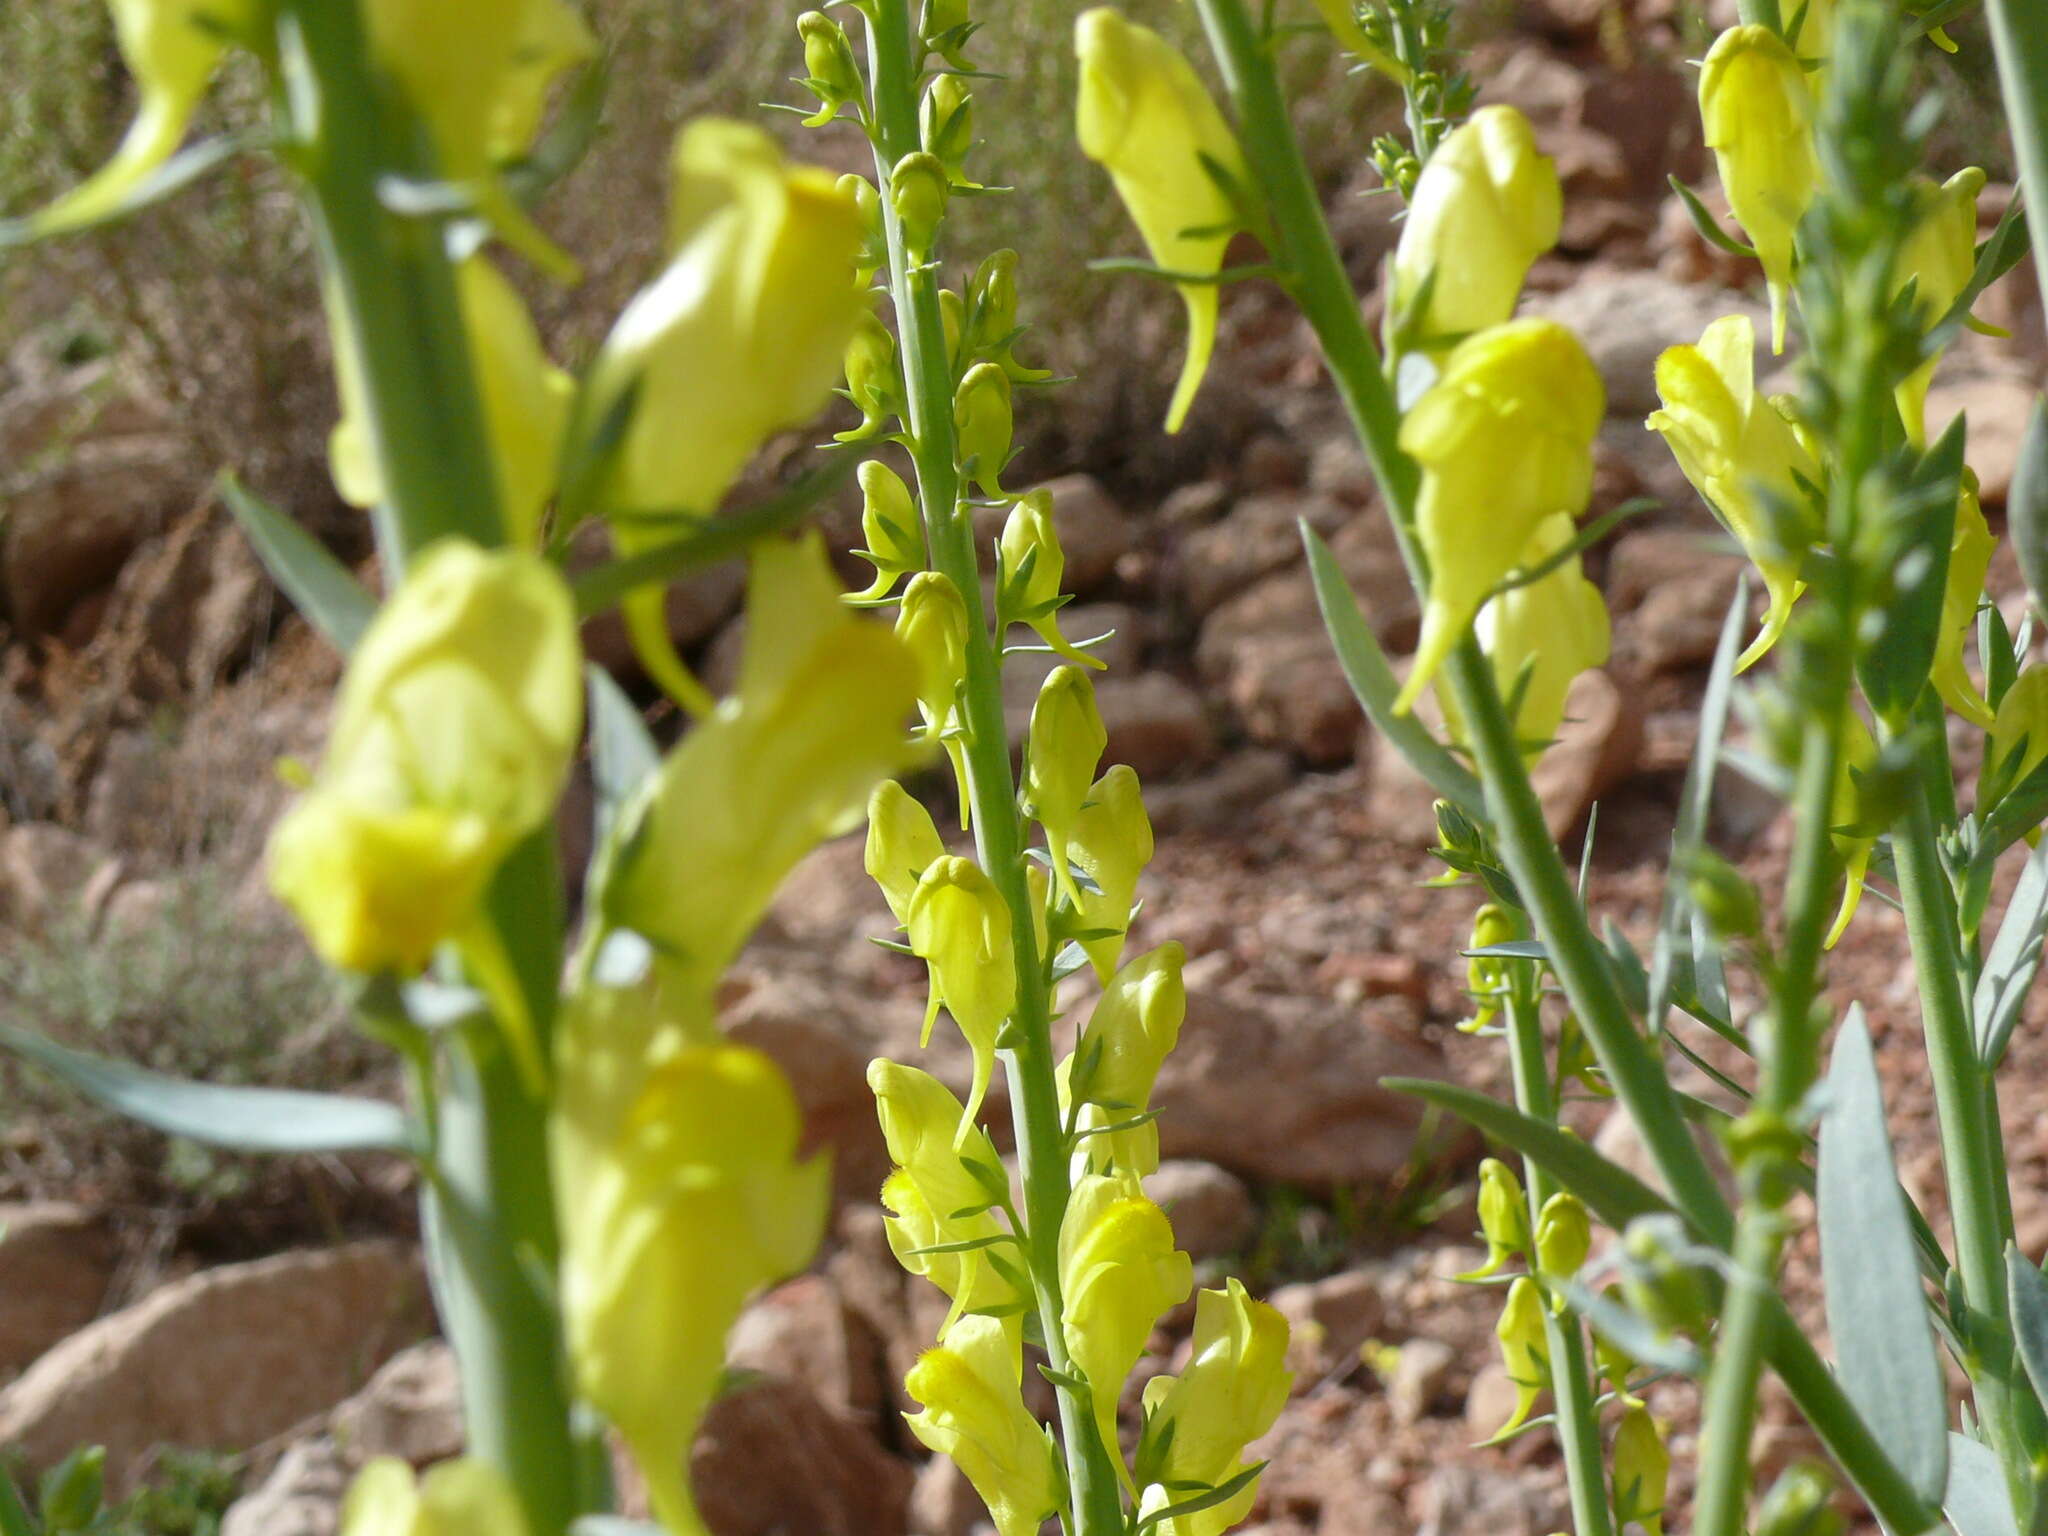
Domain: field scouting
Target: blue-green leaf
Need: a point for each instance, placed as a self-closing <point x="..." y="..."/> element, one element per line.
<point x="1365" y="668"/>
<point x="1884" y="1345"/>
<point x="622" y="752"/>
<point x="1611" y="1192"/>
<point x="2028" y="1290"/>
<point x="2015" y="958"/>
<point x="320" y="586"/>
<point x="219" y="1114"/>
<point x="2026" y="504"/>
<point x="168" y="179"/>
<point x="1976" y="1502"/>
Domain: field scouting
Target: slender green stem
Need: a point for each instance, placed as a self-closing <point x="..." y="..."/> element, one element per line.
<point x="2019" y="35"/>
<point x="1571" y="1381"/>
<point x="1317" y="279"/>
<point x="393" y="303"/>
<point x="998" y="825"/>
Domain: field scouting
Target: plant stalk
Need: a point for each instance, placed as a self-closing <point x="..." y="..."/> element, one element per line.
<point x="999" y="831"/>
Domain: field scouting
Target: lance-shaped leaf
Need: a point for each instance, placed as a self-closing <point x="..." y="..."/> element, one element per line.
<point x="324" y="591"/>
<point x="2015" y="958"/>
<point x="1976" y="1502"/>
<point x="1876" y="1314"/>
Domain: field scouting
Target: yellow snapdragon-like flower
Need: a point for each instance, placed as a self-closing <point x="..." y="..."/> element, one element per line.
<point x="1033" y="564"/>
<point x="925" y="1241"/>
<point x="1504" y="439"/>
<point x="1145" y="117"/>
<point x="1486" y="205"/>
<point x="1127" y="1039"/>
<point x="453" y="733"/>
<point x="171" y="47"/>
<point x="1233" y="1389"/>
<point x="890" y="525"/>
<point x="974" y="1413"/>
<point x="477" y="73"/>
<point x="1858" y="756"/>
<point x="788" y="761"/>
<point x="526" y="401"/>
<point x="1564" y="1236"/>
<point x="1642" y="1471"/>
<point x="1503" y="1217"/>
<point x="1969" y="558"/>
<point x="959" y="924"/>
<point x="1757" y="109"/>
<point x="1112" y="844"/>
<point x="1119" y="1271"/>
<point x="743" y="334"/>
<point x="463" y="1497"/>
<point x="1066" y="741"/>
<point x="1736" y="449"/>
<point x="1524" y="1350"/>
<point x="903" y="840"/>
<point x="1938" y="259"/>
<point x="679" y="1195"/>
<point x="932" y="621"/>
<point x="1550" y="629"/>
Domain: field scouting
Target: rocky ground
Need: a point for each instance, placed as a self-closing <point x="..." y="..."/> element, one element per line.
<point x="148" y="679"/>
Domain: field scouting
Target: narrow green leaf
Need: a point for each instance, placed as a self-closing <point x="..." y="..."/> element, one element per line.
<point x="622" y="752"/>
<point x="2026" y="504"/>
<point x="1611" y="1192"/>
<point x="1513" y="949"/>
<point x="168" y="179"/>
<point x="1372" y="680"/>
<point x="1976" y="1501"/>
<point x="324" y="591"/>
<point x="1870" y="1271"/>
<point x="2029" y="1291"/>
<point x="245" y="1119"/>
<point x="2015" y="958"/>
<point x="1704" y="221"/>
<point x="14" y="1516"/>
<point x="1222" y="1493"/>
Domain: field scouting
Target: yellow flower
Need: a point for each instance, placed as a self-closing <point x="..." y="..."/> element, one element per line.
<point x="932" y="623"/>
<point x="463" y="1497"/>
<point x="1503" y="1217"/>
<point x="1127" y="1038"/>
<point x="902" y="843"/>
<point x="959" y="924"/>
<point x="1066" y="741"/>
<point x="1504" y="439"/>
<point x="1233" y="1389"/>
<point x="1145" y="117"/>
<point x="1642" y="1471"/>
<point x="1858" y="756"/>
<point x="920" y="1120"/>
<point x="1032" y="566"/>
<point x="890" y="524"/>
<point x="1757" y="110"/>
<point x="1112" y="844"/>
<point x="452" y="735"/>
<point x="1737" y="450"/>
<point x="1564" y="1236"/>
<point x="983" y="419"/>
<point x="1119" y="1271"/>
<point x="1939" y="258"/>
<point x="787" y="761"/>
<point x="679" y="1196"/>
<point x="477" y="73"/>
<point x="1552" y="629"/>
<point x="1486" y="205"/>
<point x="2019" y="731"/>
<point x="1969" y="557"/>
<point x="1524" y="1350"/>
<point x="1485" y="978"/>
<point x="525" y="398"/>
<point x="743" y="334"/>
<point x="974" y="1413"/>
<point x="980" y="1282"/>
<point x="171" y="48"/>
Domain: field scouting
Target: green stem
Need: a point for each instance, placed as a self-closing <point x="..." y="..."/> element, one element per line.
<point x="1571" y="1381"/>
<point x="991" y="790"/>
<point x="1318" y="281"/>
<point x="393" y="301"/>
<point x="2019" y="35"/>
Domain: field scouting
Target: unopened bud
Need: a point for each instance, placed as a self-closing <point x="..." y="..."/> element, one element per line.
<point x="947" y="121"/>
<point x="1563" y="1238"/>
<point x="872" y="379"/>
<point x="982" y="420"/>
<point x="1485" y="975"/>
<point x="1724" y="897"/>
<point x="828" y="59"/>
<point x="959" y="924"/>
<point x="889" y="523"/>
<point x="932" y="623"/>
<point x="902" y="843"/>
<point x="1032" y="566"/>
<point x="1642" y="1472"/>
<point x="874" y="252"/>
<point x="918" y="189"/>
<point x="992" y="301"/>
<point x="1503" y="1217"/>
<point x="1067" y="740"/>
<point x="1523" y="1347"/>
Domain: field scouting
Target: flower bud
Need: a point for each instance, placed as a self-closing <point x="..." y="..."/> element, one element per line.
<point x="1112" y="843"/>
<point x="1128" y="1037"/>
<point x="1504" y="439"/>
<point x="1757" y="110"/>
<point x="1031" y="566"/>
<point x="959" y="925"/>
<point x="873" y="380"/>
<point x="942" y="28"/>
<point x="892" y="528"/>
<point x="1486" y="977"/>
<point x="902" y="843"/>
<point x="1939" y="258"/>
<point x="1659" y="1284"/>
<point x="1235" y="1384"/>
<point x="1118" y="1271"/>
<point x="1524" y="1350"/>
<point x="1145" y="117"/>
<point x="918" y="190"/>
<point x="932" y="624"/>
<point x="1486" y="206"/>
<point x="1800" y="1503"/>
<point x="684" y="1187"/>
<point x="874" y="251"/>
<point x="1564" y="1236"/>
<point x="1503" y="1217"/>
<point x="453" y="733"/>
<point x="946" y="121"/>
<point x="828" y="60"/>
<point x="982" y="420"/>
<point x="1066" y="742"/>
<point x="992" y="302"/>
<point x="1724" y="896"/>
<point x="974" y="1413"/>
<point x="1642" y="1471"/>
<point x="1969" y="559"/>
<point x="1739" y="454"/>
<point x="526" y="402"/>
<point x="463" y="1497"/>
<point x="171" y="48"/>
